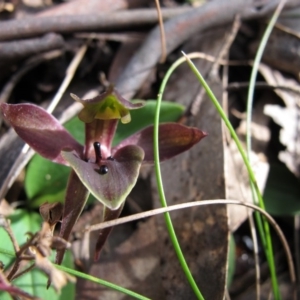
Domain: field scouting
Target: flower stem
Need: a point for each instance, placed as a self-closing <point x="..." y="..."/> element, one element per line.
<point x="168" y="220"/>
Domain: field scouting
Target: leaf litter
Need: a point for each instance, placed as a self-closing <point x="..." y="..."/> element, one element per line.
<point x="139" y="256"/>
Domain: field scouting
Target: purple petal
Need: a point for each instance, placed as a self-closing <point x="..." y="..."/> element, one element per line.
<point x="104" y="233"/>
<point x="174" y="139"/>
<point x="111" y="187"/>
<point x="40" y="130"/>
<point x="76" y="197"/>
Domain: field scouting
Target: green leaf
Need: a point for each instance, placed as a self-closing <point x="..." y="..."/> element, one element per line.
<point x="45" y="181"/>
<point x="35" y="281"/>
<point x="77" y="129"/>
<point x="21" y="223"/>
<point x="143" y="117"/>
<point x="282" y="191"/>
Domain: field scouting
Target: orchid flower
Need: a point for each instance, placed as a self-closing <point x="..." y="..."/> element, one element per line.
<point x="109" y="173"/>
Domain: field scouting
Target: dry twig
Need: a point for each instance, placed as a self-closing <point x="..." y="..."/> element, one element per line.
<point x="181" y="28"/>
<point x="16" y="50"/>
<point x="119" y="20"/>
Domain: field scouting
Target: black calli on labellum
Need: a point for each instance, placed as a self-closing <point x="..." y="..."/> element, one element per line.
<point x="97" y="147"/>
<point x="103" y="170"/>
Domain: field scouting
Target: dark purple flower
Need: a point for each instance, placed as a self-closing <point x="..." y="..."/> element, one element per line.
<point x="108" y="173"/>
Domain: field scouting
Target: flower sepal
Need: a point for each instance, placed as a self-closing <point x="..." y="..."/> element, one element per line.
<point x="106" y="106"/>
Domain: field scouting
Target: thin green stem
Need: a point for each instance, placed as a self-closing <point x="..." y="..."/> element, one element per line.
<point x="88" y="277"/>
<point x="162" y="197"/>
<point x="254" y="72"/>
<point x="265" y="234"/>
<point x="102" y="282"/>
<point x="225" y="119"/>
<point x="264" y="229"/>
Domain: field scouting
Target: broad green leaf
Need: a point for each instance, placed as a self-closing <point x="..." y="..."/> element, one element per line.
<point x="35" y="281"/>
<point x="282" y="192"/>
<point x="76" y="128"/>
<point x="21" y="223"/>
<point x="45" y="181"/>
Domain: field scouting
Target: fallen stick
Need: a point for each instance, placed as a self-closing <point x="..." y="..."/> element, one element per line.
<point x="181" y="28"/>
<point x="15" y="50"/>
<point x="119" y="20"/>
